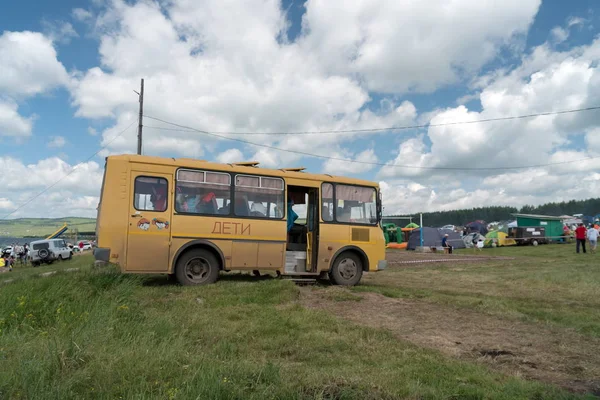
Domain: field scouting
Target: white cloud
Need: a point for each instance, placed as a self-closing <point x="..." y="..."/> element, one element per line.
<point x="398" y="46"/>
<point x="574" y="21"/>
<point x="6" y="204"/>
<point x="230" y="156"/>
<point x="513" y="189"/>
<point x="92" y="131"/>
<point x="566" y="80"/>
<point x="229" y="67"/>
<point x="546" y="80"/>
<point x="249" y="82"/>
<point x="81" y="15"/>
<point x="592" y="139"/>
<point x="559" y="34"/>
<point x="59" y="31"/>
<point x="57" y="142"/>
<point x="76" y="193"/>
<point x="29" y="64"/>
<point x="339" y="167"/>
<point x="11" y="123"/>
<point x="268" y="159"/>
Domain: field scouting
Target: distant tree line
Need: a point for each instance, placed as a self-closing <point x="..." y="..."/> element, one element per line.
<point x="589" y="207"/>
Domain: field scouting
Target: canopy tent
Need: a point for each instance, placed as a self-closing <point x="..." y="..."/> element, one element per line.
<point x="432" y="237"/>
<point x="477" y="226"/>
<point x="474" y="236"/>
<point x="500" y="238"/>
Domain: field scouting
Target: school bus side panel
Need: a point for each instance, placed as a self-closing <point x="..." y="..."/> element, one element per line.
<point x="112" y="219"/>
<point x="376" y="251"/>
<point x="245" y="243"/>
<point x="332" y="237"/>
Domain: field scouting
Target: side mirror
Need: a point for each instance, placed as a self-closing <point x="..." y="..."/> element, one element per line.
<point x="379" y="207"/>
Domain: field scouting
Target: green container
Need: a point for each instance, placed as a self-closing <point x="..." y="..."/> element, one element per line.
<point x="553" y="225"/>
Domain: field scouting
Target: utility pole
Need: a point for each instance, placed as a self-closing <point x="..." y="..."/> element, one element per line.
<point x="421" y="229"/>
<point x="141" y="97"/>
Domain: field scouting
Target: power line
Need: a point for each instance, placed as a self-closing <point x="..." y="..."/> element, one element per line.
<point x="190" y="129"/>
<point x="397" y="128"/>
<point x="70" y="172"/>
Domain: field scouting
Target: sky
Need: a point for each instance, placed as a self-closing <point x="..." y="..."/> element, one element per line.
<point x="68" y="71"/>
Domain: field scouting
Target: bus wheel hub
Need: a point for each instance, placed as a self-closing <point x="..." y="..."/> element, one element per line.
<point x="347" y="268"/>
<point x="197" y="268"/>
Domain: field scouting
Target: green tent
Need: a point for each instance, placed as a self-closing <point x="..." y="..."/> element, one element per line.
<point x="412" y="225"/>
<point x="498" y="237"/>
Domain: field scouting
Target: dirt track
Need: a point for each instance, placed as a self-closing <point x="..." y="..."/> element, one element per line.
<point x="552" y="355"/>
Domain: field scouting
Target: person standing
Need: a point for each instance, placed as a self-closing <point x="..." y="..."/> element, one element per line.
<point x="592" y="236"/>
<point x="580" y="235"/>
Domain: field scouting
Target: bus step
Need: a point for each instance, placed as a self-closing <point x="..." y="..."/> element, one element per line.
<point x="303" y="281"/>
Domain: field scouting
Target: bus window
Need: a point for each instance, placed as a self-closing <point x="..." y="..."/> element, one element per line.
<point x="150" y="194"/>
<point x="259" y="196"/>
<point x="202" y="192"/>
<point x="356" y="204"/>
<point x="327" y="203"/>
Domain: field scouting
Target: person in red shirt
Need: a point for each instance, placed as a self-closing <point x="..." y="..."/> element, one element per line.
<point x="159" y="198"/>
<point x="580" y="235"/>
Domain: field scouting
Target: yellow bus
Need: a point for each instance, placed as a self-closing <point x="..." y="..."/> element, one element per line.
<point x="192" y="219"/>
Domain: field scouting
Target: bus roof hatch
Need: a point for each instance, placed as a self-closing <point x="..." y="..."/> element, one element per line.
<point x="299" y="169"/>
<point x="247" y="163"/>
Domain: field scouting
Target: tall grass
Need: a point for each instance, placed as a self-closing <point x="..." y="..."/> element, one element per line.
<point x="104" y="335"/>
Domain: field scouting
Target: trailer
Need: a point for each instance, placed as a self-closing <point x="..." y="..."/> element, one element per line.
<point x="526" y="235"/>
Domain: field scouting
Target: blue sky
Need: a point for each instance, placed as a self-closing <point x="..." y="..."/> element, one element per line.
<point x="343" y="66"/>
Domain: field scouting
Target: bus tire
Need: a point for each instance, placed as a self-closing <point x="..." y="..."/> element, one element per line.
<point x="197" y="267"/>
<point x="347" y="269"/>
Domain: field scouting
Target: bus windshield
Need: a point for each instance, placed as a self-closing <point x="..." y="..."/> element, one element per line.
<point x="356" y="204"/>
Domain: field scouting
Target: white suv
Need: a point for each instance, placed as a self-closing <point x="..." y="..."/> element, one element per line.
<point x="47" y="251"/>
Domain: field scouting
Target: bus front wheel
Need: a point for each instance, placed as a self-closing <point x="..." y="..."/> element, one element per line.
<point x="197" y="267"/>
<point x="346" y="270"/>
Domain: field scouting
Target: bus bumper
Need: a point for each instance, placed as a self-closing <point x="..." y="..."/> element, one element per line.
<point x="381" y="265"/>
<point x="102" y="254"/>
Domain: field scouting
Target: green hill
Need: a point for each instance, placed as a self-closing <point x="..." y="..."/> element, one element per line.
<point x="43" y="226"/>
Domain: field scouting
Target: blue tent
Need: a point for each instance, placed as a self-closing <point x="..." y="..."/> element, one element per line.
<point x="477" y="226"/>
<point x="432" y="237"/>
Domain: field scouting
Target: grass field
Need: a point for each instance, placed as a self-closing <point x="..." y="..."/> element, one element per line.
<point x="104" y="335"/>
<point x="547" y="284"/>
<point x="43" y="227"/>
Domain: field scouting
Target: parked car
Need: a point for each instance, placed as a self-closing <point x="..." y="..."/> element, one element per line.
<point x="48" y="251"/>
<point x="86" y="245"/>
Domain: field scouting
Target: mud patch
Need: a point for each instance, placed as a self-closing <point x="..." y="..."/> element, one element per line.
<point x="552" y="355"/>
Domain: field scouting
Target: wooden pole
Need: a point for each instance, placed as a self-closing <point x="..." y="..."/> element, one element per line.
<point x="141" y="95"/>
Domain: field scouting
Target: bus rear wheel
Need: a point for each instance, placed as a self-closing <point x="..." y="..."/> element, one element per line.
<point x="197" y="267"/>
<point x="346" y="270"/>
